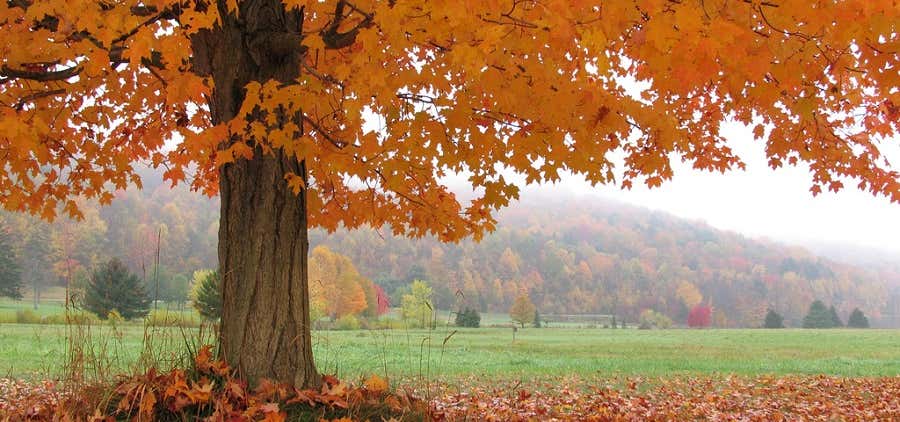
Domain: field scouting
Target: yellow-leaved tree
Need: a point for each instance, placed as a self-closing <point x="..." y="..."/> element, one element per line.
<point x="336" y="287"/>
<point x="323" y="113"/>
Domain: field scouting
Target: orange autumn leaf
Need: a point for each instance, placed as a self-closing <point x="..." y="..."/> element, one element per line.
<point x="376" y="384"/>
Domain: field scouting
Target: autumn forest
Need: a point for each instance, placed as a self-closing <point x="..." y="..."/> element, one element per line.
<point x="597" y="258"/>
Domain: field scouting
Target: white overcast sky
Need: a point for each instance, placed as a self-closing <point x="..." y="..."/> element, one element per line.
<point x="761" y="202"/>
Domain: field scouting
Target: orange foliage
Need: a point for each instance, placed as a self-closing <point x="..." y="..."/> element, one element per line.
<point x="336" y="287"/>
<point x="89" y="87"/>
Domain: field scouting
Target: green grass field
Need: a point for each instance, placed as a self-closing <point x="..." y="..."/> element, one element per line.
<point x="32" y="351"/>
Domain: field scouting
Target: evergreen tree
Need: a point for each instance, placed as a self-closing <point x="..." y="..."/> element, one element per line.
<point x="773" y="320"/>
<point x="835" y="319"/>
<point x="468" y="318"/>
<point x="857" y="319"/>
<point x="113" y="287"/>
<point x="474" y="318"/>
<point x="206" y="296"/>
<point x="10" y="271"/>
<point x="537" y="319"/>
<point x="818" y="316"/>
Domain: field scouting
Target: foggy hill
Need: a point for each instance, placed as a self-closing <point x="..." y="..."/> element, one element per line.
<point x="588" y="255"/>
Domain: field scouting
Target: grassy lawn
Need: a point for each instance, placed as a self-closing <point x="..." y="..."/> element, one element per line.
<point x="39" y="351"/>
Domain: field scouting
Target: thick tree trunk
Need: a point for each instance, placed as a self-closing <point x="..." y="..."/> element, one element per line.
<point x="263" y="245"/>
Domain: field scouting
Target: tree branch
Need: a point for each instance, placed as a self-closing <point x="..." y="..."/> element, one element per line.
<point x="336" y="40"/>
<point x="38" y="95"/>
<point x="43" y="76"/>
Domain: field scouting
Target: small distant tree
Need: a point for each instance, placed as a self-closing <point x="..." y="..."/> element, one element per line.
<point x="857" y="319"/>
<point x="773" y="320"/>
<point x="206" y="294"/>
<point x="700" y="316"/>
<point x="537" y="319"/>
<point x="384" y="301"/>
<point x="818" y="316"/>
<point x="113" y="288"/>
<point x="460" y="319"/>
<point x="416" y="306"/>
<point x="10" y="271"/>
<point x="522" y="310"/>
<point x="835" y="319"/>
<point x="652" y="319"/>
<point x="468" y="317"/>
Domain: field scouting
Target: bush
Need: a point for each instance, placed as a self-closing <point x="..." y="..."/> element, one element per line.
<point x="75" y="317"/>
<point x="113" y="288"/>
<point x="206" y="295"/>
<point x="773" y="320"/>
<point x="387" y="324"/>
<point x="857" y="319"/>
<point x="652" y="319"/>
<point x="113" y="317"/>
<point x="468" y="318"/>
<point x="27" y="316"/>
<point x="166" y="318"/>
<point x="347" y="322"/>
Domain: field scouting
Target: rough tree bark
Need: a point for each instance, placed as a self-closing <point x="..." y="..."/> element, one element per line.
<point x="263" y="244"/>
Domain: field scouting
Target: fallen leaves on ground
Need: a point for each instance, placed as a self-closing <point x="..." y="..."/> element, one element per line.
<point x="763" y="398"/>
<point x="212" y="394"/>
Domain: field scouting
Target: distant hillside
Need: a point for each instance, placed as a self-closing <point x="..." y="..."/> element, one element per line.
<point x="602" y="257"/>
<point x="572" y="255"/>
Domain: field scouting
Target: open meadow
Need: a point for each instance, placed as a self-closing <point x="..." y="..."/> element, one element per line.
<point x="482" y="373"/>
<point x="38" y="351"/>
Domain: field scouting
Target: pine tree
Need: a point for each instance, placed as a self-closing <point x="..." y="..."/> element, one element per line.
<point x="474" y="320"/>
<point x="537" y="319"/>
<point x="113" y="287"/>
<point x="10" y="271"/>
<point x="818" y="316"/>
<point x="773" y="320"/>
<point x="857" y="319"/>
<point x="835" y="319"/>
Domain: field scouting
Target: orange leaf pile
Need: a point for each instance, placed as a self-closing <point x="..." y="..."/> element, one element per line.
<point x="209" y="392"/>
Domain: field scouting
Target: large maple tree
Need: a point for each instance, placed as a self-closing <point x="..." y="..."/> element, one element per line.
<point x="321" y="113"/>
